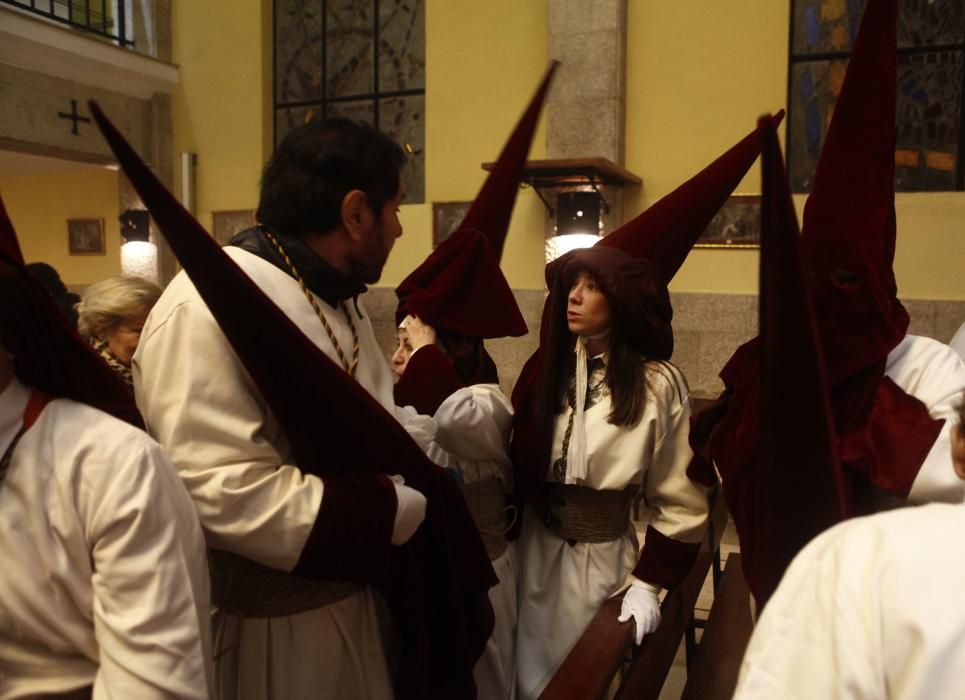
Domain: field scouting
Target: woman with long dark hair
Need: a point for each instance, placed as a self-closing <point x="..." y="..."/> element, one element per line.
<point x="620" y="423"/>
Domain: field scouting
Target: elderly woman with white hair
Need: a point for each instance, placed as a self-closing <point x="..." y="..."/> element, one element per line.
<point x="111" y="314"/>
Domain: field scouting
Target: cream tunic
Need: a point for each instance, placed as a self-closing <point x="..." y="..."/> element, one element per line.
<point x="563" y="586"/>
<point x="472" y="435"/>
<point x="232" y="455"/>
<point x="935" y="375"/>
<point x="104" y="579"/>
<point x="871" y="608"/>
<point x="957" y="343"/>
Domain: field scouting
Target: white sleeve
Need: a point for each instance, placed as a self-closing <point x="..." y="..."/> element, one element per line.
<point x="679" y="505"/>
<point x="474" y="423"/>
<point x="150" y="584"/>
<point x="957" y="343"/>
<point x="935" y="375"/>
<point x="815" y="639"/>
<point x="203" y="407"/>
<point x="420" y="428"/>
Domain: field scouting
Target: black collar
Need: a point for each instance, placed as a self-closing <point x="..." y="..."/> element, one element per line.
<point x="321" y="278"/>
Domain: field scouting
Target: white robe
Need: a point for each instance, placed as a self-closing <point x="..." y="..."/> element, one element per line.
<point x="935" y="375"/>
<point x="563" y="586"/>
<point x="105" y="579"/>
<point x="872" y="608"/>
<point x="472" y="435"/>
<point x="231" y="453"/>
<point x="957" y="342"/>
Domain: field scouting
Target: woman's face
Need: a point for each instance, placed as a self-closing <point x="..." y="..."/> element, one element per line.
<point x="122" y="339"/>
<point x="403" y="351"/>
<point x="587" y="308"/>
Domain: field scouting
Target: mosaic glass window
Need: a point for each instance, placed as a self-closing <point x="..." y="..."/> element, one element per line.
<point x="362" y="59"/>
<point x="931" y="49"/>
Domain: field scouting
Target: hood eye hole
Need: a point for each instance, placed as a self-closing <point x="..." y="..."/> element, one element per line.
<point x="845" y="279"/>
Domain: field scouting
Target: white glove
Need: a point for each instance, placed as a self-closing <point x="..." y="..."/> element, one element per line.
<point x="410" y="510"/>
<point x="640" y="602"/>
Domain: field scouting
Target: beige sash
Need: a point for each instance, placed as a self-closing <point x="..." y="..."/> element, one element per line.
<point x="581" y="514"/>
<point x="487" y="504"/>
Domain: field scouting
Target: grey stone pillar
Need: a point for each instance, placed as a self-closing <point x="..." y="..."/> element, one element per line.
<point x="586" y="109"/>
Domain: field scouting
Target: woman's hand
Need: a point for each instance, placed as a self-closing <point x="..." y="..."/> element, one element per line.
<point x="640" y="602"/>
<point x="420" y="334"/>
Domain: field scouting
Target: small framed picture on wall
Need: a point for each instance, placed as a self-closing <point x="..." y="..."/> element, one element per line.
<point x="446" y="217"/>
<point x="736" y="225"/>
<point x="85" y="237"/>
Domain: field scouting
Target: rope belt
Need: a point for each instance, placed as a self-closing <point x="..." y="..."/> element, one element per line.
<point x="246" y="588"/>
<point x="493" y="517"/>
<point x="581" y="514"/>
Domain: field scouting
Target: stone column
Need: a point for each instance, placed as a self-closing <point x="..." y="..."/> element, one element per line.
<point x="586" y="109"/>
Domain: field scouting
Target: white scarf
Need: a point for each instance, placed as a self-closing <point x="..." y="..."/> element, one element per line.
<point x="576" y="455"/>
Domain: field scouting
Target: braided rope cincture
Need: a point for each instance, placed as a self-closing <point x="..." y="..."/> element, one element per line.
<point x="350" y="368"/>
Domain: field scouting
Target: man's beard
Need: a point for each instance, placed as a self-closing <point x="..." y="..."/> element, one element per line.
<point x="367" y="266"/>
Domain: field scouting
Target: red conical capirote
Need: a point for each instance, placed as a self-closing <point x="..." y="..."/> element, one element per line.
<point x="48" y="354"/>
<point x="665" y="232"/>
<point x="848" y="236"/>
<point x="796" y="489"/>
<point x="459" y="286"/>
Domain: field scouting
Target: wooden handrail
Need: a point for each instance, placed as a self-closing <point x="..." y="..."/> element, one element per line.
<point x="714" y="671"/>
<point x="604" y="646"/>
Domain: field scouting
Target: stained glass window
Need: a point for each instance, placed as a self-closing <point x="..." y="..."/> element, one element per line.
<point x="931" y="50"/>
<point x="363" y="59"/>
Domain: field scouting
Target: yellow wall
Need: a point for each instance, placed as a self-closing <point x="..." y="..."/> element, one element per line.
<point x="698" y="75"/>
<point x="39" y="206"/>
<point x="689" y="100"/>
<point x="483" y="62"/>
<point x="221" y="104"/>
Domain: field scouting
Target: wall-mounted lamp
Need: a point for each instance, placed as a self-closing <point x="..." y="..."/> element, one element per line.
<point x="578" y="212"/>
<point x="580" y="196"/>
<point x="138" y="254"/>
<point x="135" y="225"/>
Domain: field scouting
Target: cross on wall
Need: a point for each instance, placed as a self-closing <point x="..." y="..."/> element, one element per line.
<point x="73" y="116"/>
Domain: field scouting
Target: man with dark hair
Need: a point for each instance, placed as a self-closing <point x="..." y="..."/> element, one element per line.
<point x="328" y="219"/>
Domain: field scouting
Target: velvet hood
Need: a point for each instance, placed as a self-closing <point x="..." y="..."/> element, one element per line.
<point x="48" y="354"/>
<point x="460" y="287"/>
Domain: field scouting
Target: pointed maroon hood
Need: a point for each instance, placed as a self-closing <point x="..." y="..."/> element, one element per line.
<point x="795" y="489"/>
<point x="665" y="233"/>
<point x="848" y="237"/>
<point x="884" y="434"/>
<point x="49" y="355"/>
<point x="9" y="245"/>
<point x="460" y="286"/>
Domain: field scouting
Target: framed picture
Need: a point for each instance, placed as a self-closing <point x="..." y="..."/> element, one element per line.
<point x="228" y="223"/>
<point x="736" y="225"/>
<point x="446" y="217"/>
<point x="85" y="236"/>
